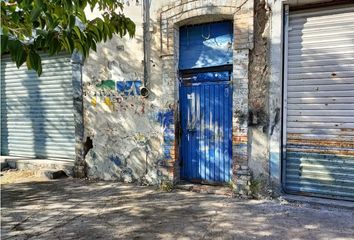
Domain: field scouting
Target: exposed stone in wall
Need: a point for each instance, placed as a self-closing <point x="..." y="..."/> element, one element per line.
<point x="258" y="98"/>
<point x="243" y="33"/>
<point x="136" y="139"/>
<point x="184" y="12"/>
<point x="241" y="174"/>
<point x="258" y="85"/>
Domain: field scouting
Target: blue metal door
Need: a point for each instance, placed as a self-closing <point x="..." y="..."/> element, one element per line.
<point x="206" y="115"/>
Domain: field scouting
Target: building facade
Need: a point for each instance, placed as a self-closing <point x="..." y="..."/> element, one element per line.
<point x="151" y="139"/>
<point x="252" y="94"/>
<point x="144" y="139"/>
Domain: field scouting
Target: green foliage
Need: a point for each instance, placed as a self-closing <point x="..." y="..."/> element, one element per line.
<point x="29" y="26"/>
<point x="166" y="186"/>
<point x="232" y="185"/>
<point x="255" y="187"/>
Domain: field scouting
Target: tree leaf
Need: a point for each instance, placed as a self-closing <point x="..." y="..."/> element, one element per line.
<point x="35" y="61"/>
<point x="78" y="32"/>
<point x="39" y="3"/>
<point x="93" y="45"/>
<point x="16" y="17"/>
<point x="69" y="45"/>
<point x="13" y="46"/>
<point x="39" y="42"/>
<point x="28" y="62"/>
<point x="55" y="26"/>
<point x="36" y="24"/>
<point x="40" y="69"/>
<point x="35" y="14"/>
<point x="20" y="57"/>
<point x="4" y="40"/>
<point x="96" y="32"/>
<point x="79" y="47"/>
<point x="54" y="46"/>
<point x="93" y="4"/>
<point x="72" y="20"/>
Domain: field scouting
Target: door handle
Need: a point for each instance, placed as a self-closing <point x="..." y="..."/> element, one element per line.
<point x="191" y="127"/>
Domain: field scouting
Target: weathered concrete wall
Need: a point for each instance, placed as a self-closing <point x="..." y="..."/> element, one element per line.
<point x="258" y="99"/>
<point x="130" y="134"/>
<point x="124" y="127"/>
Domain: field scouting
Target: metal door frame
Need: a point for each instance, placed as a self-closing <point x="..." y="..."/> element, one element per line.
<point x="285" y="96"/>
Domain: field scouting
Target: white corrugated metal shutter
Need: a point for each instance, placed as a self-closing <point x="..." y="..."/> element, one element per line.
<point x="37" y="117"/>
<point x="319" y="102"/>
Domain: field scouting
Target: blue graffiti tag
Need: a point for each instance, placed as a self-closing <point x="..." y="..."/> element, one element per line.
<point x="129" y="88"/>
<point x="165" y="118"/>
<point x="115" y="160"/>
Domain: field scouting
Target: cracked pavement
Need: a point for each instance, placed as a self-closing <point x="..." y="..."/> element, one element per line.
<point x="81" y="209"/>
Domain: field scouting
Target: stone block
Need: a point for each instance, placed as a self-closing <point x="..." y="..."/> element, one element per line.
<point x="241" y="183"/>
<point x="243" y="174"/>
<point x="244" y="167"/>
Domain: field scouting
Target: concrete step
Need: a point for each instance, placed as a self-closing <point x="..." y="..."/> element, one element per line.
<point x="201" y="188"/>
<point x="4" y="164"/>
<point x="22" y="163"/>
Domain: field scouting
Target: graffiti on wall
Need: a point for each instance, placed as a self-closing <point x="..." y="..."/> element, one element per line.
<point x="129" y="88"/>
<point x="106" y="85"/>
<point x="111" y="92"/>
<point x="126" y="88"/>
<point x="116" y="160"/>
<point x="166" y="120"/>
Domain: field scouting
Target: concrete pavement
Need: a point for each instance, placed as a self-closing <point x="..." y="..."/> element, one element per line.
<point x="80" y="209"/>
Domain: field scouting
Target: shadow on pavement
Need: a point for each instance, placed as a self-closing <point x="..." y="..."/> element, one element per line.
<point x="79" y="209"/>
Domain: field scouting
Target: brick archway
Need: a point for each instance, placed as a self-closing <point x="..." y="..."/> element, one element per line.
<point x="184" y="12"/>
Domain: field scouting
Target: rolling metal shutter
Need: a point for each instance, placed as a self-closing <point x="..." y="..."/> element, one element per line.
<point x="37" y="117"/>
<point x="319" y="102"/>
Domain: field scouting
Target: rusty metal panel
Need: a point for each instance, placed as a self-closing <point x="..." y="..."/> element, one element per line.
<point x="37" y="117"/>
<point x="319" y="109"/>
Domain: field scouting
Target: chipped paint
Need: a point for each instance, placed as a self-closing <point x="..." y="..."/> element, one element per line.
<point x="321" y="142"/>
<point x="321" y="150"/>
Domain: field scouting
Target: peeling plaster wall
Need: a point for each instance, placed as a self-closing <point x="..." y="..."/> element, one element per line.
<point x="126" y="129"/>
<point x="258" y="97"/>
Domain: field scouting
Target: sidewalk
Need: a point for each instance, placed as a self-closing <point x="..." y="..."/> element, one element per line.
<point x="79" y="209"/>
